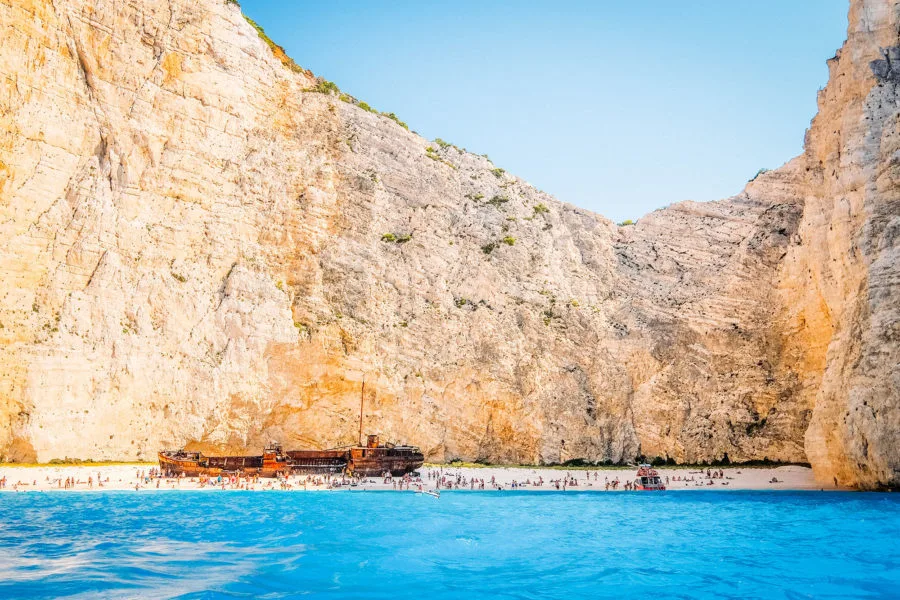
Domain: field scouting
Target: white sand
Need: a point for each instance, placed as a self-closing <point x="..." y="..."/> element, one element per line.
<point x="125" y="477"/>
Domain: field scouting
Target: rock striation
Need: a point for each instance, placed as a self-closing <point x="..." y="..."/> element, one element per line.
<point x="197" y="247"/>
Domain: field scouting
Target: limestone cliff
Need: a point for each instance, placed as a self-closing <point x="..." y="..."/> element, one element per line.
<point x="198" y="248"/>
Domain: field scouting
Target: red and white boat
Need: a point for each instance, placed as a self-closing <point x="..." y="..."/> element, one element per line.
<point x="648" y="480"/>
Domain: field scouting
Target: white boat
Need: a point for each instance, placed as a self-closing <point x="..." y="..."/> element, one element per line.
<point x="648" y="480"/>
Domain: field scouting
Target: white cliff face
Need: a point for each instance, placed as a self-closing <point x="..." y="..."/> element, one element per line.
<point x="197" y="251"/>
<point x="851" y="221"/>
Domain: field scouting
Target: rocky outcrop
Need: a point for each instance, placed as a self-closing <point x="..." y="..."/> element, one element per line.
<point x="850" y="254"/>
<point x="200" y="249"/>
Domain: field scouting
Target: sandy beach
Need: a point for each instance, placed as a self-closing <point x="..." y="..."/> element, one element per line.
<point x="136" y="477"/>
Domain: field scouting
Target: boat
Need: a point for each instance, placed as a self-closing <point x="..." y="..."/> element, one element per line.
<point x="370" y="459"/>
<point x="648" y="480"/>
<point x="272" y="462"/>
<point x="363" y="460"/>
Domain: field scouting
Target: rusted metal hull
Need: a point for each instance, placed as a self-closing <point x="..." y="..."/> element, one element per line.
<point x="174" y="465"/>
<point x="317" y="461"/>
<point x="368" y="462"/>
<point x="194" y="466"/>
<point x="360" y="461"/>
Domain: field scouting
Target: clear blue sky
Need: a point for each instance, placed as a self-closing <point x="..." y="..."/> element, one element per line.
<point x="619" y="107"/>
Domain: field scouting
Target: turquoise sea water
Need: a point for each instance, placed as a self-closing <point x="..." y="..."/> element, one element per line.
<point x="464" y="545"/>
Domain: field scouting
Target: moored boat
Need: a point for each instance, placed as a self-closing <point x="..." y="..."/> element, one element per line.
<point x="648" y="480"/>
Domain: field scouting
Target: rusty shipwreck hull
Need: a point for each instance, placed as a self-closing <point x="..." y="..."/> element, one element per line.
<point x="377" y="461"/>
<point x="371" y="459"/>
<point x="270" y="464"/>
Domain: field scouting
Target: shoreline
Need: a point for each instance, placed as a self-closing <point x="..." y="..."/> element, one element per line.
<point x="134" y="477"/>
<point x="430" y="465"/>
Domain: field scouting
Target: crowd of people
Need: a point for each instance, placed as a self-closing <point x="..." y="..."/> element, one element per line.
<point x="69" y="483"/>
<point x="699" y="479"/>
<point x="430" y="479"/>
<point x="287" y="481"/>
<point x="251" y="482"/>
<point x="449" y="480"/>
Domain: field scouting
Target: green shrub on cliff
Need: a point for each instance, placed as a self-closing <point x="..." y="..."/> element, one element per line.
<point x="397" y="238"/>
<point x="326" y="87"/>
<point x="431" y="153"/>
<point x="277" y="50"/>
<point x="760" y="172"/>
<point x="445" y="144"/>
<point x="396" y="120"/>
<point x="322" y="86"/>
<point x="331" y="88"/>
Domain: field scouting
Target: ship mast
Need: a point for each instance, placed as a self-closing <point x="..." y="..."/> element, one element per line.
<point x="362" y="395"/>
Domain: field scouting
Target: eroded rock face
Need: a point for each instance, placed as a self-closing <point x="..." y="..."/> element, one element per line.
<point x="197" y="251"/>
<point x="851" y="253"/>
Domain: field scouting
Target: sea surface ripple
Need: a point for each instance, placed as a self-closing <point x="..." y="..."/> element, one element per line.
<point x="464" y="545"/>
